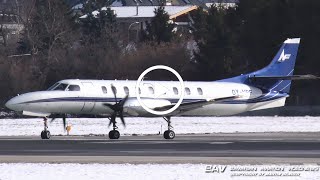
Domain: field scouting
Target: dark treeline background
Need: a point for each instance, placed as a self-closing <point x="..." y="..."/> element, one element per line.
<point x="56" y="44"/>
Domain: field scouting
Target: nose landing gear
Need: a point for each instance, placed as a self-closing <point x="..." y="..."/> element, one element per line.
<point x="168" y="134"/>
<point x="114" y="134"/>
<point x="45" y="134"/>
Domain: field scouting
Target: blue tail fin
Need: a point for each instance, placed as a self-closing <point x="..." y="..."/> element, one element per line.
<point x="282" y="65"/>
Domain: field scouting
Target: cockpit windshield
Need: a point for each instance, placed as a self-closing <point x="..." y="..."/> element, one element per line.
<point x="64" y="87"/>
<point x="52" y="87"/>
<point x="60" y="87"/>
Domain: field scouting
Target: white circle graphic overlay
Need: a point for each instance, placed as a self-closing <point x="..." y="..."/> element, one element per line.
<point x="163" y="68"/>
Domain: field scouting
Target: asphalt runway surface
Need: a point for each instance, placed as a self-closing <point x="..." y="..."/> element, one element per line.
<point x="222" y="148"/>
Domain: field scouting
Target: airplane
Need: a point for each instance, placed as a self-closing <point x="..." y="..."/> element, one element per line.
<point x="266" y="88"/>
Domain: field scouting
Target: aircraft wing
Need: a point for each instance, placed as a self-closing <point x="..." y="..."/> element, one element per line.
<point x="192" y="105"/>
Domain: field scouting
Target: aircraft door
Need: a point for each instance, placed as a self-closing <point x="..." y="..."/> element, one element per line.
<point x="89" y="102"/>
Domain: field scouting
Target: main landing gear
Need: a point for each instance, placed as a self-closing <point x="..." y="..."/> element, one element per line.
<point x="168" y="134"/>
<point x="45" y="134"/>
<point x="114" y="134"/>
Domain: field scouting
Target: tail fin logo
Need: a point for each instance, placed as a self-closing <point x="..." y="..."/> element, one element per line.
<point x="284" y="57"/>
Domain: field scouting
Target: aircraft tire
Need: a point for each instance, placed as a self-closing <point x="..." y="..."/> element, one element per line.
<point x="42" y="135"/>
<point x="114" y="134"/>
<point x="169" y="134"/>
<point x="48" y="134"/>
<point x="45" y="134"/>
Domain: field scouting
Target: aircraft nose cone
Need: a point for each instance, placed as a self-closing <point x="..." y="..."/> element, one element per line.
<point x="9" y="104"/>
<point x="12" y="103"/>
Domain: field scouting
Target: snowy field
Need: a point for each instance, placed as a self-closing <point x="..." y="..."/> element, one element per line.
<point x="182" y="125"/>
<point x="151" y="171"/>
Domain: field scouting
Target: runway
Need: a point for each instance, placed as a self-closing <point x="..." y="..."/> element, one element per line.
<point x="222" y="148"/>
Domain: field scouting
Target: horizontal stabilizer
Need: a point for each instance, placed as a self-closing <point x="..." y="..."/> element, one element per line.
<point x="293" y="77"/>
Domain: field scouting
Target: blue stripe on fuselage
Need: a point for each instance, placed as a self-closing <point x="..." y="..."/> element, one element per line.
<point x="263" y="98"/>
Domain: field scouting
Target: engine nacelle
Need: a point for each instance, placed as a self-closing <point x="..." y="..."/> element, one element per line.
<point x="133" y="107"/>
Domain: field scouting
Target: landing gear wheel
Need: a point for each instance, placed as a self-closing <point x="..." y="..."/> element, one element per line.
<point x="169" y="134"/>
<point x="45" y="134"/>
<point x="114" y="134"/>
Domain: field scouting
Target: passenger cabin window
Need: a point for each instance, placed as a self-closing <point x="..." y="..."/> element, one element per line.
<point x="188" y="92"/>
<point x="60" y="87"/>
<point x="151" y="90"/>
<point x="200" y="92"/>
<point x="126" y="90"/>
<point x="73" y="88"/>
<point x="139" y="91"/>
<point x="104" y="89"/>
<point x="175" y="91"/>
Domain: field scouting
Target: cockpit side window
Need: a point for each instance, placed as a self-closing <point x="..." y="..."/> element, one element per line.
<point x="60" y="87"/>
<point x="73" y="88"/>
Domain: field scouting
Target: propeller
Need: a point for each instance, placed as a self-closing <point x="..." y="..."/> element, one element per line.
<point x="117" y="107"/>
<point x="64" y="121"/>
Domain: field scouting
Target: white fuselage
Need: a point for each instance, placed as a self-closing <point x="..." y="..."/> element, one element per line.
<point x="89" y="96"/>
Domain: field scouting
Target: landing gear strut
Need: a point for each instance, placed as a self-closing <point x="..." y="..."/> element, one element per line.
<point x="168" y="134"/>
<point x="45" y="134"/>
<point x="114" y="134"/>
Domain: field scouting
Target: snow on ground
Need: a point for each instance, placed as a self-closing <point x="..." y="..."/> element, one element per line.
<point x="46" y="171"/>
<point x="182" y="125"/>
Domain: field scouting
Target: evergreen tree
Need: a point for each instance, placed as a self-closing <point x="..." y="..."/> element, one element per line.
<point x="245" y="39"/>
<point x="100" y="39"/>
<point x="215" y="35"/>
<point x="99" y="25"/>
<point x="267" y="23"/>
<point x="159" y="29"/>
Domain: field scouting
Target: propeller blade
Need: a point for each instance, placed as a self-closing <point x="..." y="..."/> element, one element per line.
<point x="114" y="91"/>
<point x="117" y="107"/>
<point x="64" y="122"/>
<point x="121" y="103"/>
<point x="113" y="118"/>
<point x="53" y="119"/>
<point x="111" y="106"/>
<point x="122" y="119"/>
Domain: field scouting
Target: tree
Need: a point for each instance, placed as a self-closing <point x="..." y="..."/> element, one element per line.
<point x="216" y="36"/>
<point x="267" y="23"/>
<point x="160" y="28"/>
<point x="99" y="25"/>
<point x="9" y="25"/>
<point x="48" y="26"/>
<point x="245" y="39"/>
<point x="47" y="30"/>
